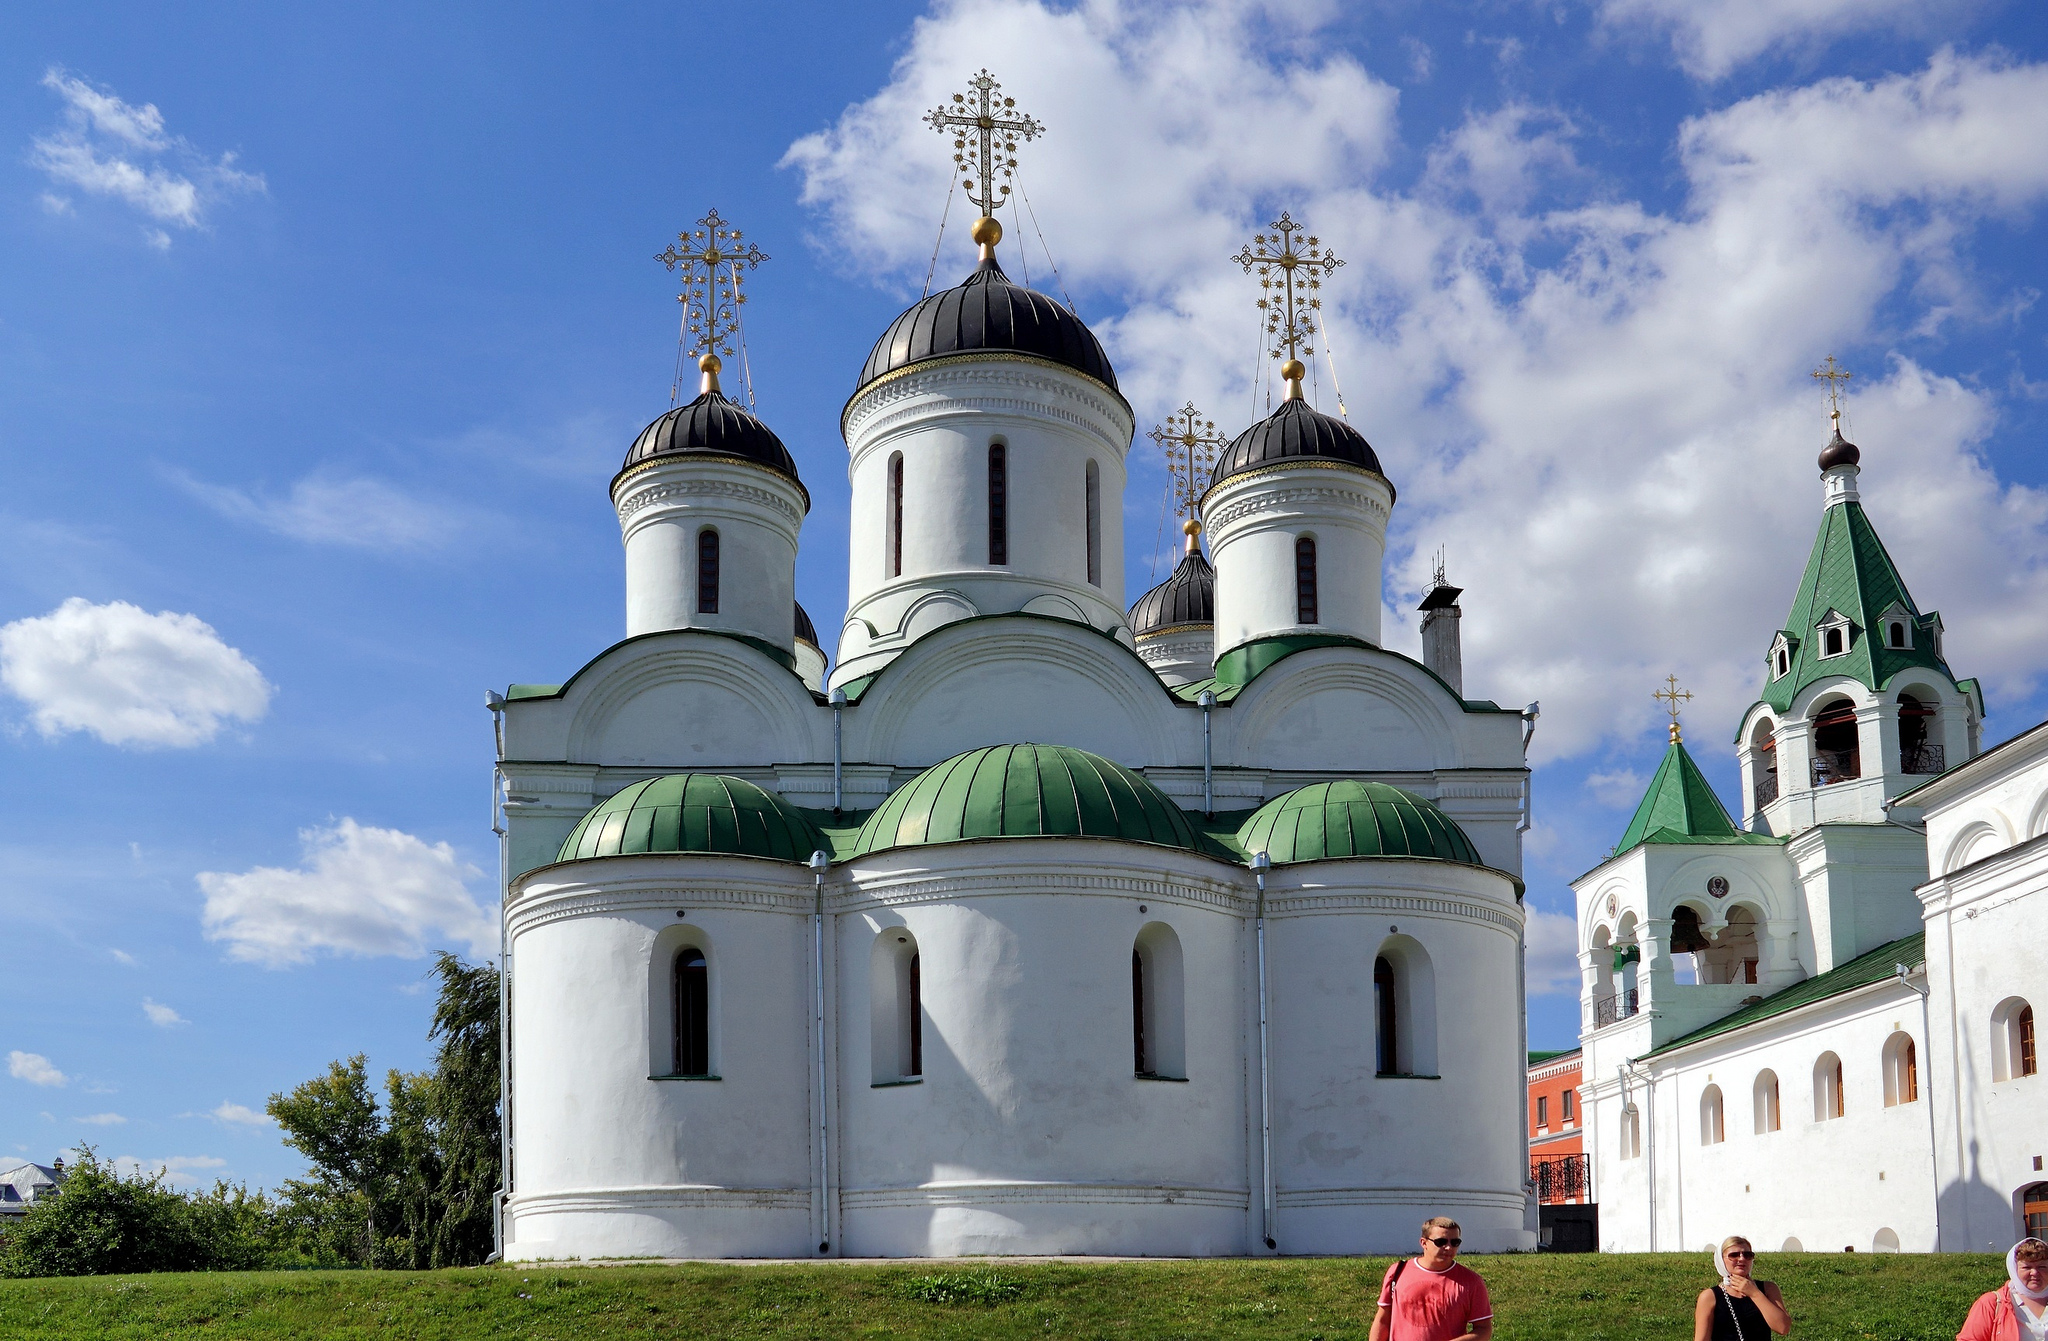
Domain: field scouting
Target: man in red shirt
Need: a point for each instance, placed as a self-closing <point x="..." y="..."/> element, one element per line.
<point x="1431" y="1297"/>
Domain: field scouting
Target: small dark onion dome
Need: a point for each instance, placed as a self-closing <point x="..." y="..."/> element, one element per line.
<point x="1840" y="452"/>
<point x="711" y="425"/>
<point x="1296" y="431"/>
<point x="806" y="631"/>
<point x="1188" y="596"/>
<point x="988" y="313"/>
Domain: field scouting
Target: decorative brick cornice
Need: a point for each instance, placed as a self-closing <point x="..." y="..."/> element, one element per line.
<point x="894" y="398"/>
<point x="1223" y="514"/>
<point x="639" y="496"/>
<point x="1041" y="1194"/>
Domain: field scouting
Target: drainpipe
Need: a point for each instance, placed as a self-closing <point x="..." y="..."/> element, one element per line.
<point x="1260" y="864"/>
<point x="1529" y="716"/>
<point x="1905" y="975"/>
<point x="838" y="703"/>
<point x="1207" y="698"/>
<point x="496" y="703"/>
<point x="819" y="861"/>
<point x="1628" y="1069"/>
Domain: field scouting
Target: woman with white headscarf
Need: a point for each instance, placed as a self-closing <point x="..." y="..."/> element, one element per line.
<point x="1740" y="1308"/>
<point x="2018" y="1309"/>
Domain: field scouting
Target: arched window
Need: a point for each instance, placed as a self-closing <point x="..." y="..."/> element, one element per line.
<point x="1404" y="1009"/>
<point x="1631" y="1133"/>
<point x="1901" y="1070"/>
<point x="1834" y="642"/>
<point x="1898" y="634"/>
<point x="1827" y="1088"/>
<point x="707" y="572"/>
<point x="1885" y="1241"/>
<point x="998" y="503"/>
<point x="692" y="996"/>
<point x="1836" y="757"/>
<point x="1158" y="1046"/>
<point x="1305" y="581"/>
<point x="896" y="1007"/>
<point x="893" y="543"/>
<point x="1094" y="489"/>
<point x="1784" y="661"/>
<point x="1917" y="752"/>
<point x="2034" y="1210"/>
<point x="1764" y="1096"/>
<point x="2012" y="1040"/>
<point x="1711" y="1130"/>
<point x="1763" y="760"/>
<point x="1792" y="1246"/>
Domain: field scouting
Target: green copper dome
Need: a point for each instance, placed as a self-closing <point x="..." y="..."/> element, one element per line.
<point x="1354" y="819"/>
<point x="1026" y="791"/>
<point x="694" y="812"/>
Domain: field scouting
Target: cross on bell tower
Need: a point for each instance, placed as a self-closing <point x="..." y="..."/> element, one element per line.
<point x="1291" y="267"/>
<point x="1189" y="443"/>
<point x="1672" y="696"/>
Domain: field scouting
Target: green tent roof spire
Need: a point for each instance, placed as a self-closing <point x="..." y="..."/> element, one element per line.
<point x="1680" y="806"/>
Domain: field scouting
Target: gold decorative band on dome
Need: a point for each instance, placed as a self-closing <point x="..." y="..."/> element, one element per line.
<point x="1168" y="630"/>
<point x="975" y="356"/>
<point x="1294" y="463"/>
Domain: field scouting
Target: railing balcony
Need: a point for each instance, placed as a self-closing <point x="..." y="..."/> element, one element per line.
<point x="1831" y="766"/>
<point x="1920" y="759"/>
<point x="1609" y="1009"/>
<point x="1766" y="789"/>
<point x="1560" y="1178"/>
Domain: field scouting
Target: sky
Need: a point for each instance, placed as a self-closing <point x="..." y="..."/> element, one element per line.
<point x="322" y="334"/>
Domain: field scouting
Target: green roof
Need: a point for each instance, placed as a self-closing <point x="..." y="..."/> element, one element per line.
<point x="1538" y="1058"/>
<point x="694" y="812"/>
<point x="1348" y="818"/>
<point x="1850" y="572"/>
<point x="1681" y="807"/>
<point x="1862" y="971"/>
<point x="1027" y="791"/>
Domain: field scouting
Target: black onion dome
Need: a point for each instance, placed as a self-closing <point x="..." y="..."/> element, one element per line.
<point x="1188" y="596"/>
<point x="1840" y="452"/>
<point x="1296" y="431"/>
<point x="714" y="426"/>
<point x="806" y="631"/>
<point x="988" y="313"/>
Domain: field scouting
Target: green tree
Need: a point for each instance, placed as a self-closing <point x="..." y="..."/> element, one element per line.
<point x="464" y="1108"/>
<point x="333" y="1121"/>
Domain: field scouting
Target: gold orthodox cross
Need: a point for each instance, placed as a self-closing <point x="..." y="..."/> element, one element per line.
<point x="1672" y="696"/>
<point x="1834" y="375"/>
<point x="709" y="265"/>
<point x="1190" y="444"/>
<point x="1291" y="268"/>
<point x="985" y="128"/>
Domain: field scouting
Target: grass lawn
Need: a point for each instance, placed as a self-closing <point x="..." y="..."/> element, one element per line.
<point x="1580" y="1298"/>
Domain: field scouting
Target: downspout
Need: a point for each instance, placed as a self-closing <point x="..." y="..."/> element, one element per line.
<point x="496" y="703"/>
<point x="838" y="796"/>
<point x="1529" y="716"/>
<point x="1905" y="975"/>
<point x="1260" y="864"/>
<point x="819" y="861"/>
<point x="1207" y="698"/>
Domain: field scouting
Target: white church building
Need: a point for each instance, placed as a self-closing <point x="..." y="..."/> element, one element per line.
<point x="1046" y="921"/>
<point x="1816" y="1029"/>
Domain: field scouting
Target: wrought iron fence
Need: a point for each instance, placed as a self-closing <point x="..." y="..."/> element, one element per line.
<point x="1561" y="1178"/>
<point x="1835" y="766"/>
<point x="1617" y="1007"/>
<point x="1920" y="759"/>
<point x="1766" y="789"/>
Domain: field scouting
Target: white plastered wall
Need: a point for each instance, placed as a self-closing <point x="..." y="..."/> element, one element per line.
<point x="757" y="513"/>
<point x="1255" y="520"/>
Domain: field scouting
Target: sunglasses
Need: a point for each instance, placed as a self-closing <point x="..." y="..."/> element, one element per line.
<point x="1447" y="1243"/>
<point x="1738" y="1253"/>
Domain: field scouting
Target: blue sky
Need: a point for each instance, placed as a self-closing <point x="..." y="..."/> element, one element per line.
<point x="321" y="335"/>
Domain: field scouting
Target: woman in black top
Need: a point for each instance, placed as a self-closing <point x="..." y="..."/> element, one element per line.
<point x="1739" y="1308"/>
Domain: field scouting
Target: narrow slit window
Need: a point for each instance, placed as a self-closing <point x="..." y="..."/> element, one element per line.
<point x="707" y="572"/>
<point x="1094" y="524"/>
<point x="916" y="1016"/>
<point x="1139" y="1061"/>
<point x="1384" y="1009"/>
<point x="998" y="504"/>
<point x="692" y="1013"/>
<point x="1834" y="642"/>
<point x="1898" y="635"/>
<point x="1305" y="581"/>
<point x="894" y="544"/>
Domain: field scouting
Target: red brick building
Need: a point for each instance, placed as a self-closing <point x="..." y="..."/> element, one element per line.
<point x="1557" y="1150"/>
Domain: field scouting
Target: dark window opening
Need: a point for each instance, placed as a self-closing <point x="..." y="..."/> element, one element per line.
<point x="1140" y="1062"/>
<point x="1784" y="662"/>
<point x="2028" y="1065"/>
<point x="998" y="504"/>
<point x="1836" y="755"/>
<point x="1388" y="1062"/>
<point x="1305" y="581"/>
<point x="1898" y="635"/>
<point x="1570" y="1106"/>
<point x="894" y="558"/>
<point x="916" y="1017"/>
<point x="693" y="1014"/>
<point x="1094" y="490"/>
<point x="1918" y="753"/>
<point x="1543" y="1110"/>
<point x="1764" y="760"/>
<point x="707" y="572"/>
<point x="1834" y="642"/>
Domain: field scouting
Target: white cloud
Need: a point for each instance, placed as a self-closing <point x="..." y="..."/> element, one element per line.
<point x="103" y="1120"/>
<point x="108" y="147"/>
<point x="123" y="958"/>
<point x="1551" y="959"/>
<point x="1712" y="37"/>
<point x="361" y="513"/>
<point x="35" y="1069"/>
<point x="359" y="890"/>
<point x="127" y="676"/>
<point x="56" y="204"/>
<point x="160" y="1015"/>
<point x="180" y="1170"/>
<point x="1601" y="408"/>
<point x="1616" y="789"/>
<point x="241" y="1115"/>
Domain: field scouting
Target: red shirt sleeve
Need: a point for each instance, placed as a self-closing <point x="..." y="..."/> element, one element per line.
<point x="1480" y="1301"/>
<point x="1979" y="1325"/>
<point x="1387" y="1286"/>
